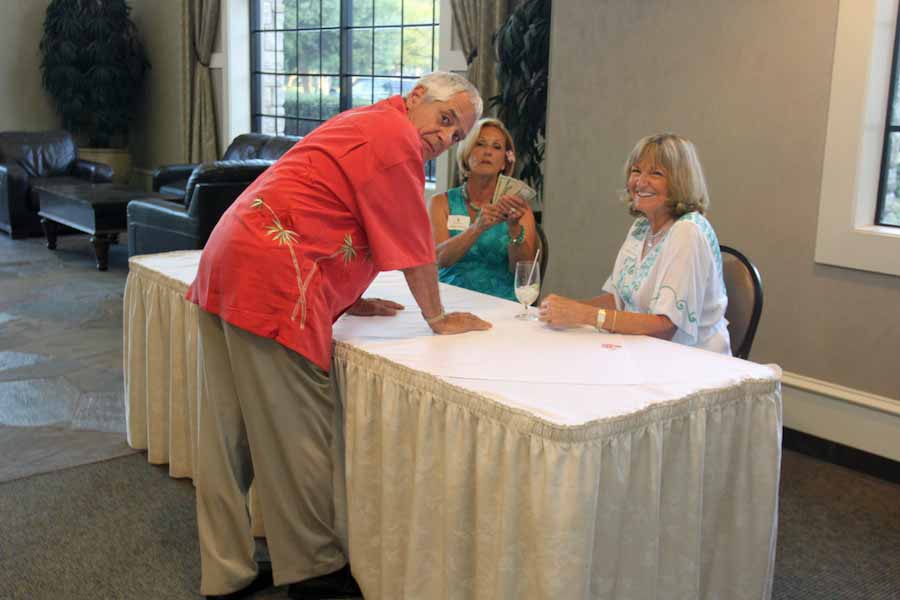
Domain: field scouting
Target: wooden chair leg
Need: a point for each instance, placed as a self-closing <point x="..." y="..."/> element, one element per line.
<point x="50" y="230"/>
<point x="101" y="249"/>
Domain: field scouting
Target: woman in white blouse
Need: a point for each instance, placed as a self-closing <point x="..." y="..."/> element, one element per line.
<point x="667" y="280"/>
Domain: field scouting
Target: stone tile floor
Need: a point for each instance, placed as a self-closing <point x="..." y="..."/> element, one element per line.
<point x="61" y="387"/>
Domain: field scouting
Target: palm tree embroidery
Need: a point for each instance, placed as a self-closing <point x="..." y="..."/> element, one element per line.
<point x="288" y="237"/>
<point x="347" y="249"/>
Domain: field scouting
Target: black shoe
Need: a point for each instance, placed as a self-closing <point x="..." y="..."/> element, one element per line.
<point x="339" y="584"/>
<point x="263" y="581"/>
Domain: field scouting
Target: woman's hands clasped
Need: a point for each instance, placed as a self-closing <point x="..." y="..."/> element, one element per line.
<point x="512" y="208"/>
<point x="488" y="216"/>
<point x="565" y="312"/>
<point x="508" y="209"/>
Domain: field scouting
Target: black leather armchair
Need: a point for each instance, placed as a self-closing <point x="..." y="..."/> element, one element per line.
<point x="158" y="225"/>
<point x="38" y="158"/>
<point x="172" y="179"/>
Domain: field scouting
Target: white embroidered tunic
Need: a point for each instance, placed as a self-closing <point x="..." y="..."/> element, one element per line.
<point x="681" y="278"/>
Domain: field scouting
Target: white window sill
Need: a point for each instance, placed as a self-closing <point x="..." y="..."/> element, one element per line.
<point x="866" y="248"/>
<point x="880" y="230"/>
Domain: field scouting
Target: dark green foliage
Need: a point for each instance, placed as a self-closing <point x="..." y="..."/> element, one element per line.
<point x="522" y="46"/>
<point x="93" y="66"/>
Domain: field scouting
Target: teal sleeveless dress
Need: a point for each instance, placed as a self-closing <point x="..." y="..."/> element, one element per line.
<point x="485" y="267"/>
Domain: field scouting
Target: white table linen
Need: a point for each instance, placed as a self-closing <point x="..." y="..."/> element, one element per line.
<point x="521" y="462"/>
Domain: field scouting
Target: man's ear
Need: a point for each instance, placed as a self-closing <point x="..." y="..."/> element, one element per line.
<point x="416" y="95"/>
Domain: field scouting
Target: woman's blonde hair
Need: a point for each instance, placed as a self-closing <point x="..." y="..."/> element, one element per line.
<point x="677" y="155"/>
<point x="468" y="144"/>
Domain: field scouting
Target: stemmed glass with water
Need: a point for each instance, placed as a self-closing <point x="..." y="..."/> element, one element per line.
<point x="528" y="286"/>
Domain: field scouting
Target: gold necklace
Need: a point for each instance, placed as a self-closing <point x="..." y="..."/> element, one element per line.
<point x="653" y="239"/>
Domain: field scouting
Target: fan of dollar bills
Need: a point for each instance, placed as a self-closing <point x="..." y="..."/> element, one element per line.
<point x="513" y="187"/>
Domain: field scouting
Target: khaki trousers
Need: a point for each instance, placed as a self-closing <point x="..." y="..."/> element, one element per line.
<point x="267" y="416"/>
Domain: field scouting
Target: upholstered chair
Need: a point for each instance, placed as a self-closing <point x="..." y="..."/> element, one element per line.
<point x="172" y="179"/>
<point x="159" y="225"/>
<point x="29" y="159"/>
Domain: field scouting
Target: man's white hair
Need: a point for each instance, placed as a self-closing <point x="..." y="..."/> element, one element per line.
<point x="441" y="85"/>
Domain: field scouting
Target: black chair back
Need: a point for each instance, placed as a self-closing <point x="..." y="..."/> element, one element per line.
<point x="745" y="300"/>
<point x="545" y="251"/>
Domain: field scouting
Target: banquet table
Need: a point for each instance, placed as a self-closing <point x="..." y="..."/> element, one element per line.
<point x="521" y="462"/>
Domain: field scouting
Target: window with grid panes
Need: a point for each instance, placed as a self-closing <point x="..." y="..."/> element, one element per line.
<point x="311" y="59"/>
<point x="887" y="211"/>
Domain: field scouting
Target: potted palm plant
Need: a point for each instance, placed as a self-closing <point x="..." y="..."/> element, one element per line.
<point x="93" y="66"/>
<point x="522" y="46"/>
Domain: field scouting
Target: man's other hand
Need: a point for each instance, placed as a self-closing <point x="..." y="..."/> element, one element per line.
<point x="459" y="322"/>
<point x="374" y="307"/>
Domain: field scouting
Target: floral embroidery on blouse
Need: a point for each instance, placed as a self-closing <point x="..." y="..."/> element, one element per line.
<point x="636" y="273"/>
<point x="679" y="304"/>
<point x="288" y="237"/>
<point x="708" y="233"/>
<point x="639" y="231"/>
<point x="626" y="292"/>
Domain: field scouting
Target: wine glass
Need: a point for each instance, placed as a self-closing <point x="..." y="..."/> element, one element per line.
<point x="528" y="286"/>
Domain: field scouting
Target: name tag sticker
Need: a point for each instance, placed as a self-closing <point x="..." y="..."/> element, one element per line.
<point x="458" y="222"/>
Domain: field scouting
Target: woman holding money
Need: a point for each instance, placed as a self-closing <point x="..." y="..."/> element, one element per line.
<point x="485" y="226"/>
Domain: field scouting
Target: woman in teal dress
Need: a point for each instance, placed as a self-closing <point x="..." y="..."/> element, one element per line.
<point x="479" y="242"/>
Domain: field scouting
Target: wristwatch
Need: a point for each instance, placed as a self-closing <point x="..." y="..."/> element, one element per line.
<point x="601" y="319"/>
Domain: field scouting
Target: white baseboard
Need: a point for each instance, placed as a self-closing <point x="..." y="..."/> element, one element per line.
<point x="840" y="414"/>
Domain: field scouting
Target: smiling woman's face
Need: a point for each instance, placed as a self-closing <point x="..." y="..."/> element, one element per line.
<point x="488" y="155"/>
<point x="648" y="185"/>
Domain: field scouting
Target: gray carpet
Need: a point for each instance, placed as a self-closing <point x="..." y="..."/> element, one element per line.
<point x="116" y="529"/>
<point x="125" y="529"/>
<point x="61" y="389"/>
<point x="838" y="533"/>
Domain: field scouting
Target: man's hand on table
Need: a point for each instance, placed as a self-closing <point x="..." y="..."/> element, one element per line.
<point x="374" y="307"/>
<point x="423" y="283"/>
<point x="458" y="322"/>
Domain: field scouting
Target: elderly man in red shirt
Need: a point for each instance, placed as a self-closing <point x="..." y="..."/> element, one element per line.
<point x="294" y="252"/>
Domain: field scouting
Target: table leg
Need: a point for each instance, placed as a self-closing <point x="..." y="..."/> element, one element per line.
<point x="101" y="242"/>
<point x="50" y="229"/>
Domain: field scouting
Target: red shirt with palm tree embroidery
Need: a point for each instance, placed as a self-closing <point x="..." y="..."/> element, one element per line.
<point x="305" y="240"/>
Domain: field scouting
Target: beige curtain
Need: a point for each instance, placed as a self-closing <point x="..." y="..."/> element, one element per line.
<point x="200" y="25"/>
<point x="474" y="24"/>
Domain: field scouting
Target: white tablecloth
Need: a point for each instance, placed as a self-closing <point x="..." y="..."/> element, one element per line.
<point x="521" y="462"/>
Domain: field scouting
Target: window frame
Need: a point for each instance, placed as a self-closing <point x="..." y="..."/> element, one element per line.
<point x="847" y="235"/>
<point x="345" y="28"/>
<point x="893" y="83"/>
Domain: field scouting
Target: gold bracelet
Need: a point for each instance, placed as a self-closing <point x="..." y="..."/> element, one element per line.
<point x="438" y="317"/>
<point x="612" y="329"/>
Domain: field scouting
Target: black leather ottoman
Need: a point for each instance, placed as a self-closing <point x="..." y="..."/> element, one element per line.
<point x="97" y="209"/>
